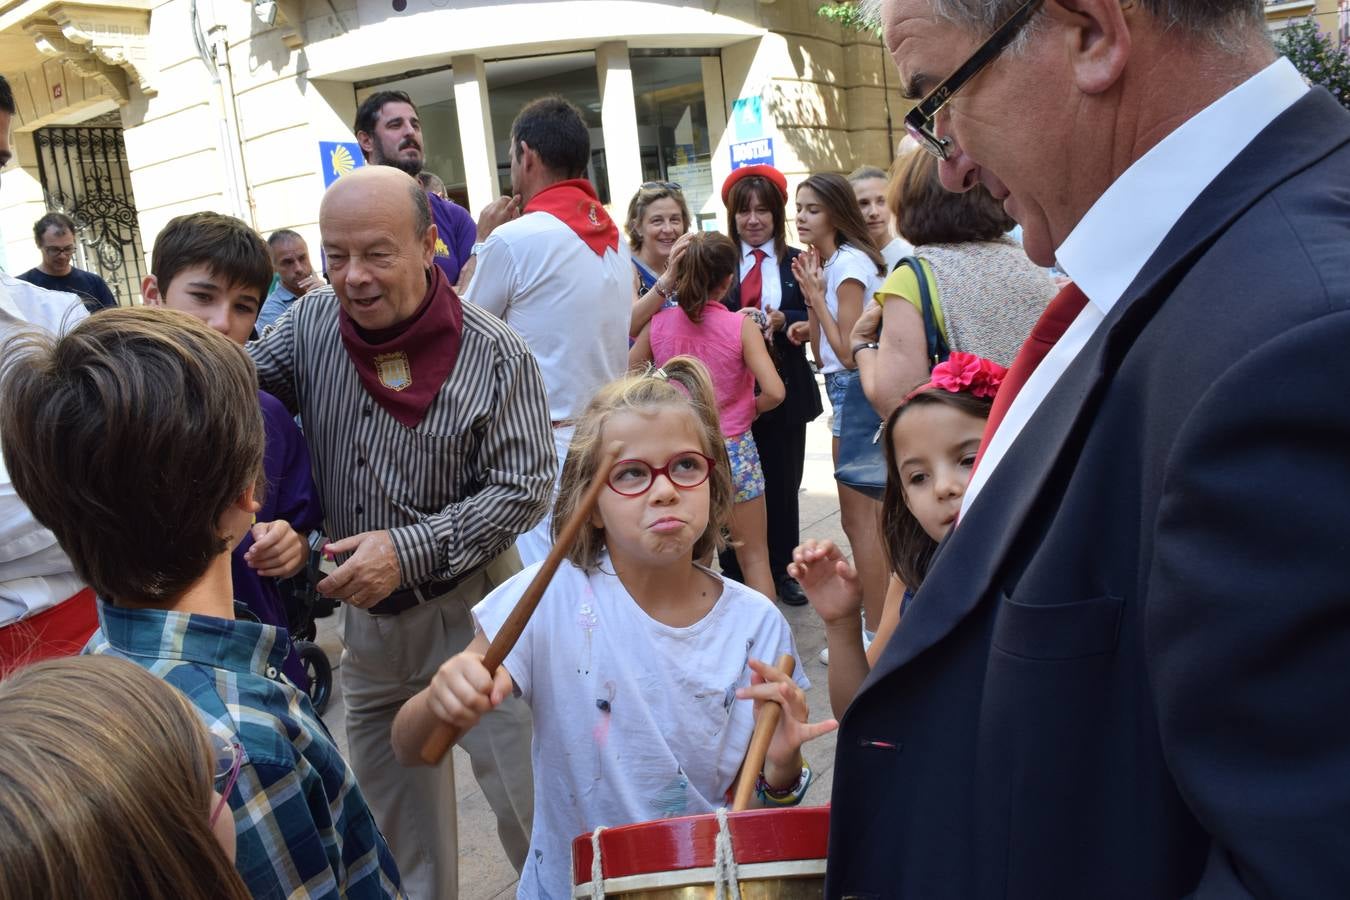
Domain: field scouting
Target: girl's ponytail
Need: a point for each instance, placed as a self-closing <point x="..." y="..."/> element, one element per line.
<point x="708" y="259"/>
<point x="693" y="379"/>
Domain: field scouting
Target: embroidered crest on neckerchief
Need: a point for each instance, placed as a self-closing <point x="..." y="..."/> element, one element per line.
<point x="394" y="371"/>
<point x="594" y="216"/>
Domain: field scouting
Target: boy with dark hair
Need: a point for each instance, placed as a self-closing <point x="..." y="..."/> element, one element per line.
<point x="217" y="269"/>
<point x="138" y="440"/>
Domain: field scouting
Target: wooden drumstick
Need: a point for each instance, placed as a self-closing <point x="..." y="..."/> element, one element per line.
<point x="445" y="735"/>
<point x="769" y="715"/>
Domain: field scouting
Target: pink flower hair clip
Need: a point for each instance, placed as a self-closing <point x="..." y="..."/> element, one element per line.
<point x="964" y="373"/>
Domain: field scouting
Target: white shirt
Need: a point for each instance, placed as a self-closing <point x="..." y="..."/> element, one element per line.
<point x="35" y="573"/>
<point x="571" y="306"/>
<point x="772" y="295"/>
<point x="1108" y="248"/>
<point x="848" y="264"/>
<point x="895" y="251"/>
<point x="633" y="720"/>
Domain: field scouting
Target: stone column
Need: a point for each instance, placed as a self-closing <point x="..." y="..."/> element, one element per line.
<point x="618" y="122"/>
<point x="475" y="131"/>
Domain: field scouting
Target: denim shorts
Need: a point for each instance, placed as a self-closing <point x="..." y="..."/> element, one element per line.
<point x="836" y="386"/>
<point x="747" y="476"/>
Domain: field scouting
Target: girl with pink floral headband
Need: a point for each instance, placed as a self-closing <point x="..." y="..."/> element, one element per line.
<point x="930" y="442"/>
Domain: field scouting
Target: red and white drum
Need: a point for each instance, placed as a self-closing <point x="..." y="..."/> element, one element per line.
<point x="779" y="854"/>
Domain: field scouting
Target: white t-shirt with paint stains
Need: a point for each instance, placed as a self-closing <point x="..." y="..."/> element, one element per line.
<point x="633" y="720"/>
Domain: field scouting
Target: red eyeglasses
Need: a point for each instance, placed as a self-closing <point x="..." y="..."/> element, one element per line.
<point x="634" y="477"/>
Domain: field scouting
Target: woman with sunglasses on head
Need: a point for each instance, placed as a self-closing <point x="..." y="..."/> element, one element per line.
<point x="756" y="201"/>
<point x="111" y="788"/>
<point x="657" y="226"/>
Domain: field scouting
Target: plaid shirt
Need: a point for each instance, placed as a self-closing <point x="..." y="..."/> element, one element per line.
<point x="304" y="829"/>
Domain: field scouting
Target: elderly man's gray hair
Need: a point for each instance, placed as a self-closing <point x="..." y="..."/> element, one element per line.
<point x="1228" y="24"/>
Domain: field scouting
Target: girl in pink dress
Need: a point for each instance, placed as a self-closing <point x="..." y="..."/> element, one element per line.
<point x="732" y="347"/>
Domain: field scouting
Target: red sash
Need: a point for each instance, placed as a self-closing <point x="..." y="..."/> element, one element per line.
<point x="404" y="367"/>
<point x="577" y="205"/>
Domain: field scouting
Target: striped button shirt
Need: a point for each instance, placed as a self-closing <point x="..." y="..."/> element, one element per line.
<point x="303" y="829"/>
<point x="453" y="492"/>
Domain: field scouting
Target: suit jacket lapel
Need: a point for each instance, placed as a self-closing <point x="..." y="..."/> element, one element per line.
<point x="969" y="561"/>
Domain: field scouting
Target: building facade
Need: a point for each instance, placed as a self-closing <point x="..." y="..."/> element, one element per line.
<point x="134" y="111"/>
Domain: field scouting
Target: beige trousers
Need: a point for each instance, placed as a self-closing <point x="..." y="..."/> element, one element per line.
<point x="385" y="661"/>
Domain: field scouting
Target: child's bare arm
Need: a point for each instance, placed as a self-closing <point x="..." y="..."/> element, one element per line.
<point x="831" y="584"/>
<point x="459" y="694"/>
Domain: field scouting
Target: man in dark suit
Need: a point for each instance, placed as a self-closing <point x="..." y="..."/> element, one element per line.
<point x="756" y="199"/>
<point x="1125" y="673"/>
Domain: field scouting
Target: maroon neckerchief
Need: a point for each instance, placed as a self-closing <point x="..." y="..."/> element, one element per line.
<point x="404" y="367"/>
<point x="576" y="204"/>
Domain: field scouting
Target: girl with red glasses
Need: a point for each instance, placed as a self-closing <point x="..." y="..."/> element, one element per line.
<point x="642" y="666"/>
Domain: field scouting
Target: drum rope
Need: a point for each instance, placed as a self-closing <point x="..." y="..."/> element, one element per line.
<point x="597" y="871"/>
<point x="724" y="860"/>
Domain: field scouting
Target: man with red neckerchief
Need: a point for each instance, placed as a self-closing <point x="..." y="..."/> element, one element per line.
<point x="558" y="274"/>
<point x="428" y="425"/>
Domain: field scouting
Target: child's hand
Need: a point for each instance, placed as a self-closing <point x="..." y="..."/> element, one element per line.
<point x="278" y="551"/>
<point x="783" y="762"/>
<point x="799" y="333"/>
<point x="462" y="690"/>
<point x="829" y="581"/>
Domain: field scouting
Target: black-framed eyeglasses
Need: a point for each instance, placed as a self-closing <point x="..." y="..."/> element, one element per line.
<point x="668" y="185"/>
<point x="68" y="250"/>
<point x="919" y="120"/>
<point x="634" y="477"/>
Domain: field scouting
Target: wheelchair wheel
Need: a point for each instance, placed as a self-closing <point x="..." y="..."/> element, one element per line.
<point x="320" y="673"/>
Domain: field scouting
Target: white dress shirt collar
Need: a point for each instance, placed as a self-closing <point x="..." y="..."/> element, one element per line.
<point x="1111" y="244"/>
<point x="1108" y="248"/>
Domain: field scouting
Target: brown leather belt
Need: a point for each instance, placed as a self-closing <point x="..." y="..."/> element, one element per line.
<point x="404" y="599"/>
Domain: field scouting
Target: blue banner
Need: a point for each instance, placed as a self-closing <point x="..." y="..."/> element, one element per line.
<point x="339" y="158"/>
<point x="752" y="153"/>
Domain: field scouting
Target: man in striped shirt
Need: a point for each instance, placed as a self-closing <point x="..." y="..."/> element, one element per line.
<point x="432" y="447"/>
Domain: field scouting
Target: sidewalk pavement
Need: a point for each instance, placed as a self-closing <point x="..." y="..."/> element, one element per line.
<point x="485" y="873"/>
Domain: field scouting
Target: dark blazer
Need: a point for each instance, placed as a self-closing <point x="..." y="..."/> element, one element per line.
<point x="802" y="403"/>
<point x="1128" y="671"/>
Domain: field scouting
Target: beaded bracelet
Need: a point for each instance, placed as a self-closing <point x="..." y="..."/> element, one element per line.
<point x="791" y="796"/>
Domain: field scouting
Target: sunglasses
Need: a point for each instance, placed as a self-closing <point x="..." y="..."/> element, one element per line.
<point x="228" y="757"/>
<point x="668" y="185"/>
<point x="919" y="120"/>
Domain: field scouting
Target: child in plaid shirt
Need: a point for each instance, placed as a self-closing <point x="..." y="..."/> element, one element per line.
<point x="138" y="440"/>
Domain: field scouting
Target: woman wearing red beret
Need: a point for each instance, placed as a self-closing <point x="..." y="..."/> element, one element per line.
<point x="756" y="202"/>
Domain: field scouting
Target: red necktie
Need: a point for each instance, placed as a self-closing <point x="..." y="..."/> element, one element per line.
<point x="1049" y="328"/>
<point x="752" y="285"/>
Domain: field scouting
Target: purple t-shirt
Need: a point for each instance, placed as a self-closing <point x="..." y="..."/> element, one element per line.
<point x="290" y="495"/>
<point x="455" y="234"/>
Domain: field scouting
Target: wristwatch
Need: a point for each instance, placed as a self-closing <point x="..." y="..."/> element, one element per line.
<point x="477" y="248"/>
<point x="866" y="345"/>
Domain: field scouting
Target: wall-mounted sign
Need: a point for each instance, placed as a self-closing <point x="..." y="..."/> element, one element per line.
<point x="339" y="158"/>
<point x="752" y="153"/>
<point x="747" y="118"/>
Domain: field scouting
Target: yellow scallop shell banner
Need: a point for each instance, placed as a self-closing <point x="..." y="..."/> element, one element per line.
<point x="339" y="158"/>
